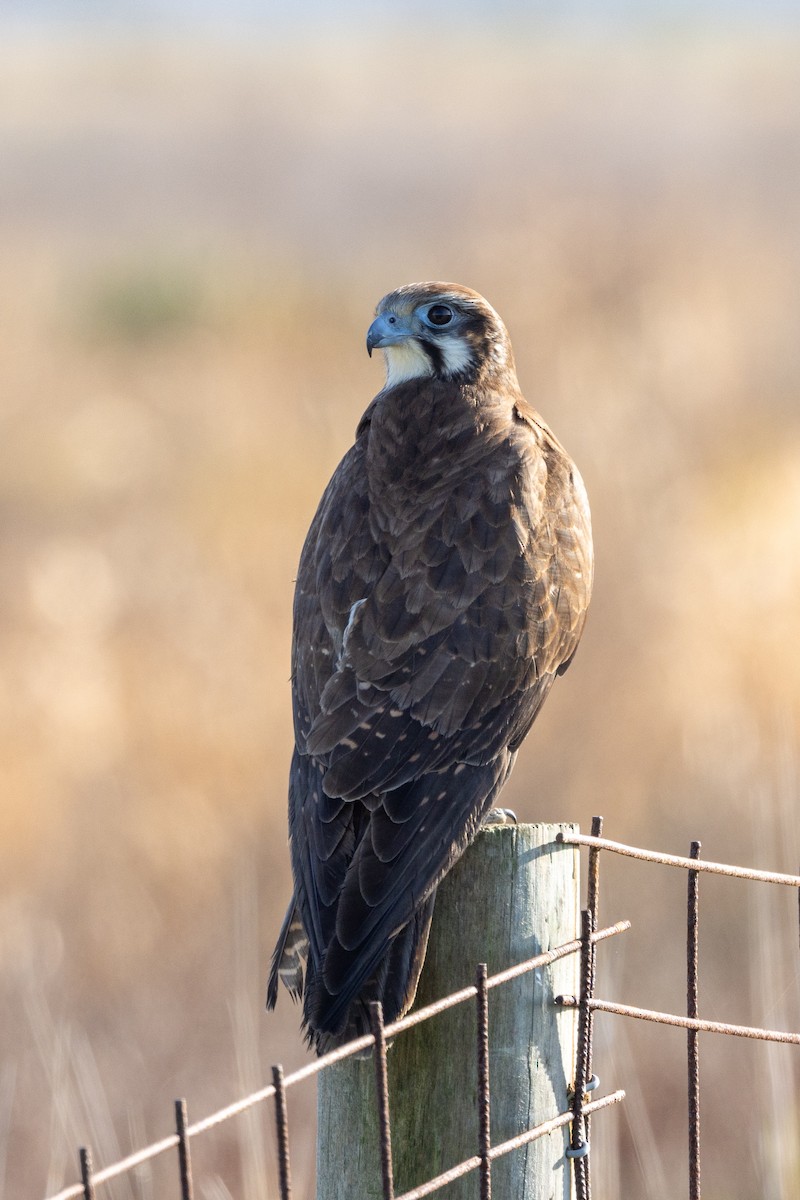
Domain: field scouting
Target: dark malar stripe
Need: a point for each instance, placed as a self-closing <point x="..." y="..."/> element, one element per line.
<point x="435" y="357"/>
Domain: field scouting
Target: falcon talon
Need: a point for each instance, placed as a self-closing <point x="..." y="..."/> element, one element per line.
<point x="500" y="816"/>
<point x="442" y="588"/>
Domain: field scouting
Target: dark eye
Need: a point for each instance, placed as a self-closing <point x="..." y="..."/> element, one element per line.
<point x="440" y="314"/>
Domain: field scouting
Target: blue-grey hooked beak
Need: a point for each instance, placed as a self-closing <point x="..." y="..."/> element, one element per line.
<point x="386" y="330"/>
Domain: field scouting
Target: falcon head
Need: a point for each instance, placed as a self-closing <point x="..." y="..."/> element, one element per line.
<point x="440" y="330"/>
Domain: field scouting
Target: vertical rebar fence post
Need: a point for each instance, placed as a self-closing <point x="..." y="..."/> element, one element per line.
<point x="693" y="1060"/>
<point x="382" y="1089"/>
<point x="85" y="1157"/>
<point x="484" y="1092"/>
<point x="593" y="905"/>
<point x="593" y="880"/>
<point x="282" y="1131"/>
<point x="184" y="1158"/>
<point x="579" y="1142"/>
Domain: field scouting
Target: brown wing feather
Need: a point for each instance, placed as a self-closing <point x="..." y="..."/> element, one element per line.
<point x="437" y="663"/>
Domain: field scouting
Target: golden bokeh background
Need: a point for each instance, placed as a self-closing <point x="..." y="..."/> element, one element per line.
<point x="194" y="231"/>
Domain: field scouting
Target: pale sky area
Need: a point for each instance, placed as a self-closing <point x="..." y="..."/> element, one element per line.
<point x="58" y="14"/>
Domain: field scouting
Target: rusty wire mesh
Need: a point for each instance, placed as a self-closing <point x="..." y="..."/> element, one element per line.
<point x="581" y="1108"/>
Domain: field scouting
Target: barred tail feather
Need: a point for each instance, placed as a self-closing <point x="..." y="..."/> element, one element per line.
<point x="288" y="958"/>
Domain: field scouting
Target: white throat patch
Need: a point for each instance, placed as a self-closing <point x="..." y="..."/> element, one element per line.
<point x="406" y="360"/>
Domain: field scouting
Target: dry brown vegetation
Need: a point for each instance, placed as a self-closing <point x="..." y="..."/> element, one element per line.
<point x="191" y="243"/>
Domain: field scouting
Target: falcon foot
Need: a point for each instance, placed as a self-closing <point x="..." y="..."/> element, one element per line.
<point x="500" y="816"/>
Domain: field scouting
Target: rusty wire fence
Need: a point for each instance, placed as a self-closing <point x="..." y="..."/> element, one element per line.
<point x="581" y="1109"/>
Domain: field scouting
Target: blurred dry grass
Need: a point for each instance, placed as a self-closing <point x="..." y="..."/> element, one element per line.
<point x="191" y="242"/>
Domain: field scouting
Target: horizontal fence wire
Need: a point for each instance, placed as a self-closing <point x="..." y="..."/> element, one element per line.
<point x="676" y="860"/>
<point x="503" y="1148"/>
<point x="661" y="1018"/>
<point x="352" y="1048"/>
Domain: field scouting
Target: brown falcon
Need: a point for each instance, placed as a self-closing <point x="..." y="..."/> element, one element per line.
<point x="443" y="585"/>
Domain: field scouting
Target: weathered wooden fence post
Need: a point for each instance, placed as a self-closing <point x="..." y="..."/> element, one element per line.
<point x="514" y="894"/>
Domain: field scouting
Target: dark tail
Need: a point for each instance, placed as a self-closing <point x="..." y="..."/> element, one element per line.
<point x="394" y="983"/>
